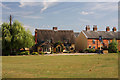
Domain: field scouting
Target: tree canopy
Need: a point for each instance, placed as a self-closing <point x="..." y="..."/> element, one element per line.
<point x="15" y="37"/>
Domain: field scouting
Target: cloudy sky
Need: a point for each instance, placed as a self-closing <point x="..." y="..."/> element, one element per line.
<point x="65" y="15"/>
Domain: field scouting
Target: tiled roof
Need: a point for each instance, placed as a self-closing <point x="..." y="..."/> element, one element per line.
<point x="104" y="34"/>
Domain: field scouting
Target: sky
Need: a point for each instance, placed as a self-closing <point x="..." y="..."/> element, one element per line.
<point x="64" y="15"/>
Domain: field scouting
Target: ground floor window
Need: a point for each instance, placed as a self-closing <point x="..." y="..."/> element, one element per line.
<point x="93" y="47"/>
<point x="45" y="49"/>
<point x="89" y="46"/>
<point x="108" y="41"/>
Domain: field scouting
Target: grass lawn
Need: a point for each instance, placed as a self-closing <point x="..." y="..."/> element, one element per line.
<point x="82" y="66"/>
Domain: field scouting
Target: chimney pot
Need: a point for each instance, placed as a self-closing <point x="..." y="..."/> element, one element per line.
<point x="94" y="27"/>
<point x="107" y="29"/>
<point x="87" y="28"/>
<point x="114" y="29"/>
<point x="55" y="28"/>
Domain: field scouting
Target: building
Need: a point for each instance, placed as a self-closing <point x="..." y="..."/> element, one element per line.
<point x="55" y="40"/>
<point x="90" y="38"/>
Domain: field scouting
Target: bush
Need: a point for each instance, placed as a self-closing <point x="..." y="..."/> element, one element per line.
<point x="90" y="50"/>
<point x="5" y="52"/>
<point x="97" y="50"/>
<point x="24" y="53"/>
<point x="81" y="51"/>
<point x="42" y="53"/>
<point x="34" y="53"/>
<point x="86" y="50"/>
<point x="113" y="47"/>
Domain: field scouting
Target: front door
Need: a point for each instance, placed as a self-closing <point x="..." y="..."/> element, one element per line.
<point x="59" y="49"/>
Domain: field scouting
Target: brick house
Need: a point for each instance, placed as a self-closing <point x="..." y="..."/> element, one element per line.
<point x="90" y="38"/>
<point x="55" y="40"/>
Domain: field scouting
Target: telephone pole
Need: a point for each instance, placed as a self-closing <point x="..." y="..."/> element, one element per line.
<point x="10" y="20"/>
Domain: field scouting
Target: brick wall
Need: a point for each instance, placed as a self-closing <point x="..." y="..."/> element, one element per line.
<point x="118" y="45"/>
<point x="97" y="43"/>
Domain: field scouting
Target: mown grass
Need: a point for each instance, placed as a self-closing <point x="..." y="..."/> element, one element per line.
<point x="82" y="66"/>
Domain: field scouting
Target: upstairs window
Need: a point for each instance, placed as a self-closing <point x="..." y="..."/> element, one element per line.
<point x="108" y="41"/>
<point x="93" y="41"/>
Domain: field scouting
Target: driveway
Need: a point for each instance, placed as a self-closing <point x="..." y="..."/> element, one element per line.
<point x="71" y="54"/>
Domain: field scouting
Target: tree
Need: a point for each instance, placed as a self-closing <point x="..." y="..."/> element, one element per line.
<point x="15" y="37"/>
<point x="113" y="47"/>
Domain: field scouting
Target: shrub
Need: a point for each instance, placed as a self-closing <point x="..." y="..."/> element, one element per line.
<point x="34" y="53"/>
<point x="81" y="51"/>
<point x="97" y="50"/>
<point x="105" y="48"/>
<point x="90" y="50"/>
<point x="42" y="53"/>
<point x="86" y="50"/>
<point x="113" y="47"/>
<point x="24" y="53"/>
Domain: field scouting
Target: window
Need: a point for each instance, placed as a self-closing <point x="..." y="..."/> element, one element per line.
<point x="89" y="46"/>
<point x="108" y="41"/>
<point x="93" y="47"/>
<point x="93" y="41"/>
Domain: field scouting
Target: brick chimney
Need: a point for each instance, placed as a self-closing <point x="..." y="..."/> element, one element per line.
<point x="114" y="29"/>
<point x="55" y="28"/>
<point x="35" y="36"/>
<point x="87" y="28"/>
<point x="94" y="27"/>
<point x="107" y="29"/>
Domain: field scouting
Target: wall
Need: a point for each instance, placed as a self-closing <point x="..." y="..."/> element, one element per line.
<point x="118" y="45"/>
<point x="81" y="42"/>
<point x="97" y="43"/>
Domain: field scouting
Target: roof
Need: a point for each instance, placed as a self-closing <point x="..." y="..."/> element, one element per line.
<point x="55" y="36"/>
<point x="104" y="34"/>
<point x="76" y="34"/>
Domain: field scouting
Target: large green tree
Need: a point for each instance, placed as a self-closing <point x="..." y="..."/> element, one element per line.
<point x="113" y="46"/>
<point x="15" y="37"/>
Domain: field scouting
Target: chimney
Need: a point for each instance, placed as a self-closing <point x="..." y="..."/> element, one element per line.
<point x="114" y="29"/>
<point x="87" y="28"/>
<point x="94" y="27"/>
<point x="55" y="28"/>
<point x="35" y="36"/>
<point x="107" y="29"/>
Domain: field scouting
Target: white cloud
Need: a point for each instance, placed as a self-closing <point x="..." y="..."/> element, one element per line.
<point x="23" y="4"/>
<point x="86" y="13"/>
<point x="46" y="4"/>
<point x="4" y="6"/>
